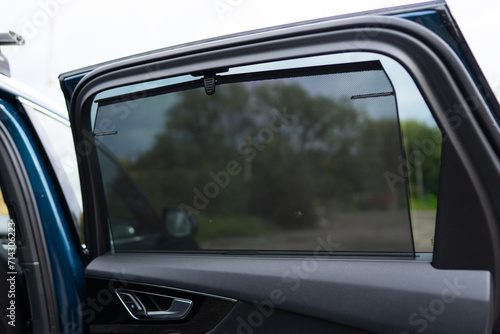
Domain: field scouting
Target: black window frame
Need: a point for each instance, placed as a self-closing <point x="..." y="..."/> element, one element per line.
<point x="470" y="153"/>
<point x="292" y="72"/>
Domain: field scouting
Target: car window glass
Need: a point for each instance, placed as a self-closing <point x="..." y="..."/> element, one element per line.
<point x="55" y="134"/>
<point x="313" y="154"/>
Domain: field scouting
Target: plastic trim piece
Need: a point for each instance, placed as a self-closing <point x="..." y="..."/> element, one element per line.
<point x="179" y="308"/>
<point x="377" y="296"/>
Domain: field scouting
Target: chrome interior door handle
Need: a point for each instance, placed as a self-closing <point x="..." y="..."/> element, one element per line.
<point x="138" y="309"/>
<point x="178" y="310"/>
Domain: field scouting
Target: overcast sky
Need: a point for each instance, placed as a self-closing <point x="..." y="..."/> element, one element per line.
<point x="63" y="35"/>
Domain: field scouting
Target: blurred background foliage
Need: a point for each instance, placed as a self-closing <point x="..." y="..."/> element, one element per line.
<point x="325" y="154"/>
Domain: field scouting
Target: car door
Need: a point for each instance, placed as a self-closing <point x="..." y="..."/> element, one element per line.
<point x="339" y="175"/>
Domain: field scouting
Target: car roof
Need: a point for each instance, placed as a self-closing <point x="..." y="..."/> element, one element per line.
<point x="17" y="88"/>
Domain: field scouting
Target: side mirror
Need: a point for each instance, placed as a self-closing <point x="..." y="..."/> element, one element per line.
<point x="178" y="223"/>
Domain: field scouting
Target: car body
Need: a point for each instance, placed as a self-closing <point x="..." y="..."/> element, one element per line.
<point x="48" y="205"/>
<point x="263" y="182"/>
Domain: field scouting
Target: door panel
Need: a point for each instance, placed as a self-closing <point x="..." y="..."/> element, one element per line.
<point x="109" y="313"/>
<point x="382" y="296"/>
<point x="356" y="291"/>
<point x="213" y="315"/>
<point x="246" y="317"/>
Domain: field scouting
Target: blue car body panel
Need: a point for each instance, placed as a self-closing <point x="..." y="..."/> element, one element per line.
<point x="66" y="262"/>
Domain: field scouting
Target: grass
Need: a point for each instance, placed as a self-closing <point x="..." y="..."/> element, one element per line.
<point x="211" y="227"/>
<point x="429" y="202"/>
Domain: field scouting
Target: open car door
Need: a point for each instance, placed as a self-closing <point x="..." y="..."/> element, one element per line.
<point x="334" y="176"/>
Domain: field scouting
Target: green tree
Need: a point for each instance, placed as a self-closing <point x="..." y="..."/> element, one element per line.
<point x="422" y="144"/>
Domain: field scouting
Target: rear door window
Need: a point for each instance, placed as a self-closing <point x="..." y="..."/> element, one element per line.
<point x="312" y="154"/>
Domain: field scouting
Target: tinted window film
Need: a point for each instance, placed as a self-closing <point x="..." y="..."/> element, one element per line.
<point x="302" y="159"/>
